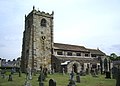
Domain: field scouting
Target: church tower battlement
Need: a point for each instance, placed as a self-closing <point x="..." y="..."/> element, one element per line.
<point x="37" y="40"/>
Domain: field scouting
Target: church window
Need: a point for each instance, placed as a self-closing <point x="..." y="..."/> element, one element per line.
<point x="78" y="54"/>
<point x="86" y="55"/>
<point x="69" y="53"/>
<point x="93" y="55"/>
<point x="59" y="53"/>
<point x="43" y="22"/>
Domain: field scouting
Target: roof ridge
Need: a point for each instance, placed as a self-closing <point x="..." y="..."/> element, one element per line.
<point x="70" y="45"/>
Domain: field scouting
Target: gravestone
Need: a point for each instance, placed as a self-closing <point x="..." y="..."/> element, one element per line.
<point x="87" y="71"/>
<point x="52" y="82"/>
<point x="3" y="73"/>
<point x="72" y="82"/>
<point x="10" y="78"/>
<point x="108" y="75"/>
<point x="19" y="73"/>
<point x="29" y="74"/>
<point x="27" y="83"/>
<point x="118" y="78"/>
<point x="114" y="72"/>
<point x="63" y="71"/>
<point x="41" y="78"/>
<point x="78" y="78"/>
<point x="82" y="73"/>
<point x="72" y="75"/>
<point x="45" y="73"/>
<point x="53" y="71"/>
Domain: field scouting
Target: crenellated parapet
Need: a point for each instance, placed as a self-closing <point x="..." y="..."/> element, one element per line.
<point x="40" y="13"/>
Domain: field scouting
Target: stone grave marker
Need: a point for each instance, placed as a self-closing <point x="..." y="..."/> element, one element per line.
<point x="19" y="73"/>
<point x="27" y="83"/>
<point x="118" y="77"/>
<point x="72" y="82"/>
<point x="63" y="71"/>
<point x="10" y="78"/>
<point x="82" y="73"/>
<point x="108" y="75"/>
<point x="93" y="73"/>
<point x="114" y="72"/>
<point x="29" y="73"/>
<point x="52" y="82"/>
<point x="3" y="73"/>
<point x="78" y="78"/>
<point x="41" y="78"/>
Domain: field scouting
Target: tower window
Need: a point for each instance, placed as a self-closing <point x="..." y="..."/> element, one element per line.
<point x="43" y="22"/>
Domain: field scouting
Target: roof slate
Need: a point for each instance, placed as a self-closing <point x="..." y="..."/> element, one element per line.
<point x="69" y="47"/>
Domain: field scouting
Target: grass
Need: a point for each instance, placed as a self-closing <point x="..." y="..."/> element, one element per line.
<point x="61" y="80"/>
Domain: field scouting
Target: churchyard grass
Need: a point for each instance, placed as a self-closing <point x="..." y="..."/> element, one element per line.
<point x="61" y="80"/>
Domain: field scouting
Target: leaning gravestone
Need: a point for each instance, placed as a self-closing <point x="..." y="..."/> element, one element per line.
<point x="10" y="78"/>
<point x="52" y="82"/>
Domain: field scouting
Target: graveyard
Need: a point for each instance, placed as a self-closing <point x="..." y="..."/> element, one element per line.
<point x="59" y="79"/>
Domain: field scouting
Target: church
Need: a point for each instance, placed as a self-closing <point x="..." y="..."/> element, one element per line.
<point x="40" y="51"/>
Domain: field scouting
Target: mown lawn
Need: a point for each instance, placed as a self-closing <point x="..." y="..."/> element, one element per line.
<point x="61" y="80"/>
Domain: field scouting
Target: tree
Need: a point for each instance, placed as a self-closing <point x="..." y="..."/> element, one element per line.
<point x="113" y="57"/>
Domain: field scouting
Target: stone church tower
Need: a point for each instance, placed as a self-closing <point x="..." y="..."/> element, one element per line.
<point x="37" y="40"/>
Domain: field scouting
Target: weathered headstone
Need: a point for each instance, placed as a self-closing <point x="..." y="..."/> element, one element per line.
<point x="118" y="79"/>
<point x="72" y="82"/>
<point x="63" y="71"/>
<point x="27" y="83"/>
<point x="78" y="78"/>
<point x="108" y="75"/>
<point x="72" y="75"/>
<point x="114" y="72"/>
<point x="93" y="73"/>
<point x="19" y="73"/>
<point x="29" y="73"/>
<point x="82" y="73"/>
<point x="40" y="79"/>
<point x="3" y="74"/>
<point x="52" y="82"/>
<point x="10" y="78"/>
<point x="45" y="73"/>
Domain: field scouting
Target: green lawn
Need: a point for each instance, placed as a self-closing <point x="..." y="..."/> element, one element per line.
<point x="61" y="80"/>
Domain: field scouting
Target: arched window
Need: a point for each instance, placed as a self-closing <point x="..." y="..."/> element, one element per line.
<point x="43" y="22"/>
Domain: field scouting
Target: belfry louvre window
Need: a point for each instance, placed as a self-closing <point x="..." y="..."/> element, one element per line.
<point x="59" y="53"/>
<point x="43" y="22"/>
<point x="69" y="53"/>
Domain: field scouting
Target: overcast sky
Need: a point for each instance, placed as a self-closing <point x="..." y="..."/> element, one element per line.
<point x="89" y="23"/>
